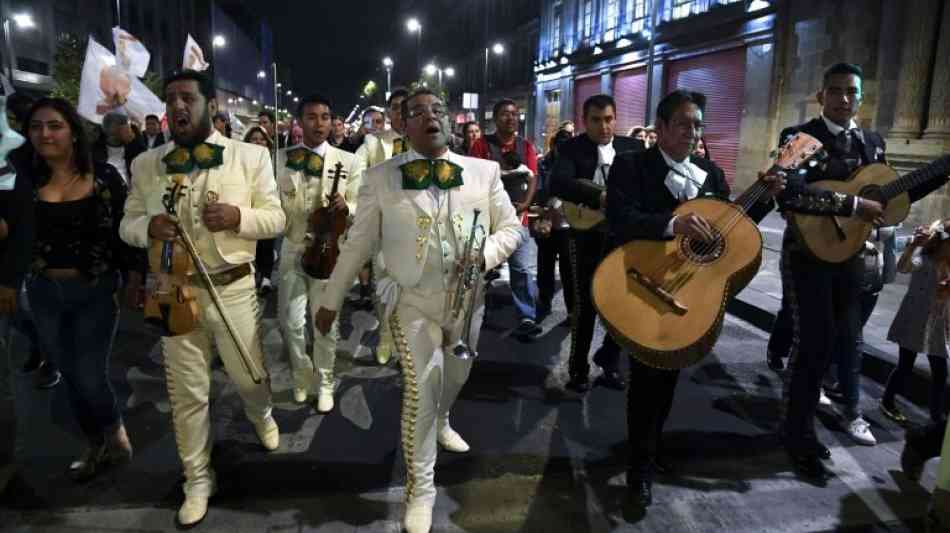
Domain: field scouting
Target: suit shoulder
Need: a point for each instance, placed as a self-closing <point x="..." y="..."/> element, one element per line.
<point x="477" y="163"/>
<point x="346" y="157"/>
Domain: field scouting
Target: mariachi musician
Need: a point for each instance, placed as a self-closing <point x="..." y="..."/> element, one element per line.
<point x="580" y="176"/>
<point x="419" y="208"/>
<point x="305" y="183"/>
<point x="229" y="202"/>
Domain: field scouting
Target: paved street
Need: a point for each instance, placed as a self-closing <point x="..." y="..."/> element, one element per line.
<point x="541" y="460"/>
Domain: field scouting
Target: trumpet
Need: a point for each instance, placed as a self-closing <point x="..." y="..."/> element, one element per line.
<point x="469" y="281"/>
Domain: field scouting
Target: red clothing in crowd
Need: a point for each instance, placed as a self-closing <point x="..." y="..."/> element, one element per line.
<point x="480" y="149"/>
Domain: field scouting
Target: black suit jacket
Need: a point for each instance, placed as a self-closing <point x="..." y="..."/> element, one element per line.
<point x="100" y="153"/>
<point x="577" y="160"/>
<point x="639" y="205"/>
<point x="159" y="140"/>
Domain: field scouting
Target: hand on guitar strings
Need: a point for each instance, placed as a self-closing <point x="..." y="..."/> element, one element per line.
<point x="870" y="211"/>
<point x="162" y="227"/>
<point x="338" y="203"/>
<point x="324" y="320"/>
<point x="694" y="227"/>
<point x="775" y="184"/>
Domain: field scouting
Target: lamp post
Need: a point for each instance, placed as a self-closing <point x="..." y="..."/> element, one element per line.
<point x="388" y="63"/>
<point x="23" y="21"/>
<point x="498" y="49"/>
<point x="414" y="26"/>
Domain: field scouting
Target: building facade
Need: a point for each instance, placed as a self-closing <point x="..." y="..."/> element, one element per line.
<point x="760" y="64"/>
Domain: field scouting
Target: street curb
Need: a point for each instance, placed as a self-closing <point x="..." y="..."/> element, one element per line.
<point x="875" y="364"/>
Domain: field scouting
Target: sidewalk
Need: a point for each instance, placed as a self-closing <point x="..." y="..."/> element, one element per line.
<point x="759" y="303"/>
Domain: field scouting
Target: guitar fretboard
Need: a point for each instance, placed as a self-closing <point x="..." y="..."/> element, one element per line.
<point x="933" y="170"/>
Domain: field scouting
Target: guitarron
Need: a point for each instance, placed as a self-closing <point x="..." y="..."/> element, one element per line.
<point x="836" y="240"/>
<point x="665" y="300"/>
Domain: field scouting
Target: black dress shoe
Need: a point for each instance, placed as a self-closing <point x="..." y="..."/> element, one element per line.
<point x="612" y="380"/>
<point x="819" y="449"/>
<point x="775" y="362"/>
<point x="640" y="492"/>
<point x="808" y="465"/>
<point x="662" y="466"/>
<point x="912" y="462"/>
<point x="578" y="384"/>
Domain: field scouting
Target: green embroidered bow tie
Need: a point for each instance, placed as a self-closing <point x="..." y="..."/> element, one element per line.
<point x="306" y="161"/>
<point x="419" y="174"/>
<point x="183" y="160"/>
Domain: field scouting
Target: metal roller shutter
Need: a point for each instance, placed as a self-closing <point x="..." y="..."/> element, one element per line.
<point x="721" y="77"/>
<point x="630" y="89"/>
<point x="583" y="89"/>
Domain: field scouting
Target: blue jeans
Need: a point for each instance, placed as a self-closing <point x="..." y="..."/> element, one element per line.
<point x="523" y="268"/>
<point x="848" y="362"/>
<point x="77" y="320"/>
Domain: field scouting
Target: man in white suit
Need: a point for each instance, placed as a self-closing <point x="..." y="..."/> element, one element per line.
<point x="376" y="148"/>
<point x="228" y="203"/>
<point x="305" y="179"/>
<point x="418" y="206"/>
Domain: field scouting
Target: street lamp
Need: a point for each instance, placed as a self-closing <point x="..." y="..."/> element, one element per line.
<point x="414" y="26"/>
<point x="289" y="92"/>
<point x="23" y="21"/>
<point x="388" y="63"/>
<point x="219" y="41"/>
<point x="450" y="72"/>
<point x="498" y="50"/>
<point x="261" y="75"/>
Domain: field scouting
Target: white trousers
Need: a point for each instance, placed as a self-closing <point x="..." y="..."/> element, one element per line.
<point x="188" y="376"/>
<point x="432" y="378"/>
<point x="294" y="291"/>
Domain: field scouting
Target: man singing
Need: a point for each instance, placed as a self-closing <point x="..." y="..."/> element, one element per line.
<point x="419" y="207"/>
<point x="229" y="202"/>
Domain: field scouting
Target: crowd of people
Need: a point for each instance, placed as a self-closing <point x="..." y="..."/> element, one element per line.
<point x="76" y="227"/>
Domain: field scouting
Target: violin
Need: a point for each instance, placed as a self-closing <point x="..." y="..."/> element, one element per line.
<point x="170" y="303"/>
<point x="325" y="227"/>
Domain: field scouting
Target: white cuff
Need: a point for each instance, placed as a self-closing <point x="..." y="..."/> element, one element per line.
<point x="669" y="227"/>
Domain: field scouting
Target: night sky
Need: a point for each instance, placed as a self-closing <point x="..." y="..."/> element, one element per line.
<point x="334" y="47"/>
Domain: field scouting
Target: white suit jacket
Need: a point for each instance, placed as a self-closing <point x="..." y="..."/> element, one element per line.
<point x="298" y="202"/>
<point x="377" y="147"/>
<point x="245" y="179"/>
<point x="398" y="219"/>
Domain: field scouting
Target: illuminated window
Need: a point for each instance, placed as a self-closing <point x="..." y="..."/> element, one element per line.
<point x="588" y="19"/>
<point x="636" y="15"/>
<point x="613" y="19"/>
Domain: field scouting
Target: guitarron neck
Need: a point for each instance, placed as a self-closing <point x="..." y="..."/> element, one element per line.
<point x="933" y="170"/>
<point x="755" y="191"/>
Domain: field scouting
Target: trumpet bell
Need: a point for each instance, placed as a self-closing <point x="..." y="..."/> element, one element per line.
<point x="463" y="352"/>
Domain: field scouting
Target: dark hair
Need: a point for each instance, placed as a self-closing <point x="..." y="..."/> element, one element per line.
<point x="841" y="68"/>
<point x="397" y="92"/>
<point x="112" y="119"/>
<point x="600" y="101"/>
<point x="19" y="104"/>
<point x="335" y="117"/>
<point x="205" y="83"/>
<point x="502" y="103"/>
<point x="82" y="156"/>
<point x="671" y="102"/>
<point x="268" y="114"/>
<point x="220" y="116"/>
<point x="251" y="130"/>
<point x="561" y="137"/>
<point x="313" y="99"/>
<point x="152" y="117"/>
<point x="708" y="157"/>
<point x="465" y="142"/>
<point x="421" y="91"/>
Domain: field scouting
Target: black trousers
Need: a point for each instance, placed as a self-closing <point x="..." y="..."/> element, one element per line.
<point x="587" y="249"/>
<point x="649" y="400"/>
<point x="824" y="300"/>
<point x="265" y="258"/>
<point x="780" y="341"/>
<point x="554" y="250"/>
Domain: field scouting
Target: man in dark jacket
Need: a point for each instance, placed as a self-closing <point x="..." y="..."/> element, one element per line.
<point x="580" y="176"/>
<point x="118" y="145"/>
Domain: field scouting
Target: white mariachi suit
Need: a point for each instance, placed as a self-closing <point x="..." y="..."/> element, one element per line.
<point x="299" y="195"/>
<point x="375" y="149"/>
<point x="422" y="233"/>
<point x="246" y="180"/>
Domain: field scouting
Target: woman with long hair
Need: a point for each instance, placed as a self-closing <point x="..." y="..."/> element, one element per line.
<point x="471" y="132"/>
<point x="77" y="269"/>
<point x="265" y="247"/>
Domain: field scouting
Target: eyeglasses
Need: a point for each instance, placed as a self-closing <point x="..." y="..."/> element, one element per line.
<point x="686" y="126"/>
<point x="436" y="110"/>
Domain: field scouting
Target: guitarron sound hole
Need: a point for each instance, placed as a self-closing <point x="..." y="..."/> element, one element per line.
<point x="703" y="252"/>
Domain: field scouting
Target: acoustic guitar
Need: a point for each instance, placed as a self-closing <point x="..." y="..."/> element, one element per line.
<point x="665" y="300"/>
<point x="834" y="239"/>
<point x="579" y="216"/>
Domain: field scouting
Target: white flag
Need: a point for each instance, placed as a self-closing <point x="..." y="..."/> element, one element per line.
<point x="130" y="52"/>
<point x="106" y="87"/>
<point x="194" y="58"/>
